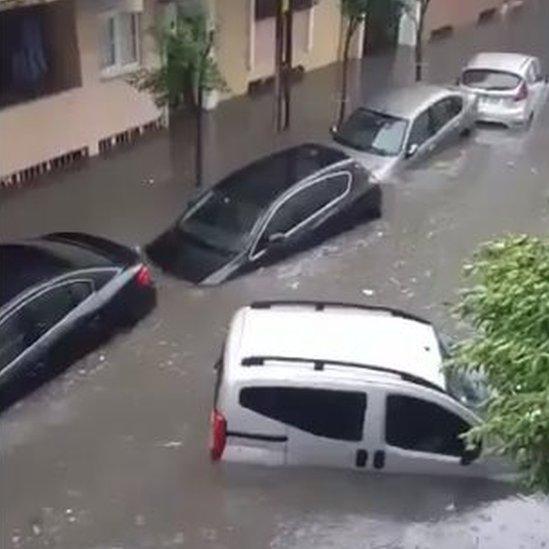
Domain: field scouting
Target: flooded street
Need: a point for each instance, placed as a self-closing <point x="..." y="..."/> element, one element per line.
<point x="113" y="453"/>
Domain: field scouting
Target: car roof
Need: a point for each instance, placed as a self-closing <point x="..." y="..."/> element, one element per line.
<point x="265" y="179"/>
<point x="361" y="336"/>
<point x="407" y="101"/>
<point x="32" y="262"/>
<point x="500" y="61"/>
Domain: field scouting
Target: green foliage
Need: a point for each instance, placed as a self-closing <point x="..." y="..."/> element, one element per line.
<point x="508" y="307"/>
<point x="186" y="64"/>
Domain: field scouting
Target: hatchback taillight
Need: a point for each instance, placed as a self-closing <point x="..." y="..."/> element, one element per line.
<point x="218" y="435"/>
<point x="522" y="93"/>
<point x="143" y="277"/>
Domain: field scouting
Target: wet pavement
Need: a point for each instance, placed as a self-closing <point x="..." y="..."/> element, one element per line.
<point x="112" y="454"/>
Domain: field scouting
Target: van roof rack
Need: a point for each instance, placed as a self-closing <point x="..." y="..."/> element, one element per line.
<point x="319" y="365"/>
<point x="321" y="305"/>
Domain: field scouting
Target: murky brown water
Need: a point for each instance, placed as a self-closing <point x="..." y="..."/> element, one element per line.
<point x="113" y="453"/>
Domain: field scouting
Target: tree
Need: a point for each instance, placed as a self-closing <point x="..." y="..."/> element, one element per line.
<point x="187" y="70"/>
<point x="508" y="308"/>
<point x="354" y="12"/>
<point x="416" y="11"/>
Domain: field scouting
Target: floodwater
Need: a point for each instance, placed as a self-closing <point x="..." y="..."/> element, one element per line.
<point x="112" y="454"/>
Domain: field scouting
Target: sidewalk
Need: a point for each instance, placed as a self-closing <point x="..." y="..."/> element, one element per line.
<point x="133" y="193"/>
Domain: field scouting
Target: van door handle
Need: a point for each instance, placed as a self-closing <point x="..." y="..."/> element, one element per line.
<point x="379" y="459"/>
<point x="361" y="458"/>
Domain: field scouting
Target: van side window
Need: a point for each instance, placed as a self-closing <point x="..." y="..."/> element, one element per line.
<point x="332" y="414"/>
<point x="415" y="424"/>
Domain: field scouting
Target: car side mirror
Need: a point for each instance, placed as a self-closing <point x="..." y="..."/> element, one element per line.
<point x="411" y="150"/>
<point x="470" y="454"/>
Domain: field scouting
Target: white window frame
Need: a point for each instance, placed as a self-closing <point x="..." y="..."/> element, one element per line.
<point x="118" y="68"/>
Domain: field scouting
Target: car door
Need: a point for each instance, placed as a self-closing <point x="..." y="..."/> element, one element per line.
<point x="14" y="341"/>
<point x="56" y="327"/>
<point x="323" y="426"/>
<point x="422" y="433"/>
<point x="295" y="220"/>
<point x="445" y="120"/>
<point x="419" y="141"/>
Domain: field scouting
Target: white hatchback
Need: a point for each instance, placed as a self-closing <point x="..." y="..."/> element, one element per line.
<point x="510" y="86"/>
<point x="348" y="386"/>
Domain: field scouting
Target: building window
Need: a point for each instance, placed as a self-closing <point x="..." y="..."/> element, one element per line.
<point x="120" y="41"/>
<point x="38" y="52"/>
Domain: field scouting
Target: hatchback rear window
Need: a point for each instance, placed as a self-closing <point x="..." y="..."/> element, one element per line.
<point x="490" y="80"/>
<point x="332" y="414"/>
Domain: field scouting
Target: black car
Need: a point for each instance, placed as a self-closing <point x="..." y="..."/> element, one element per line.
<point x="276" y="205"/>
<point x="60" y="296"/>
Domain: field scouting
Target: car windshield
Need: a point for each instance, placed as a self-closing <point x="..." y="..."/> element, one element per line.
<point x="488" y="80"/>
<point x="373" y="132"/>
<point x="469" y="388"/>
<point x="221" y="220"/>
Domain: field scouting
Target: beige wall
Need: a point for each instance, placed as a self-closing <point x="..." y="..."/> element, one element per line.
<point x="326" y="33"/>
<point x="45" y="128"/>
<point x="456" y="12"/>
<point x="234" y="25"/>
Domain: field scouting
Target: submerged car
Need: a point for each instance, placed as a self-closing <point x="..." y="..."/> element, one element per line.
<point x="277" y="205"/>
<point x="510" y="86"/>
<point x="347" y="386"/>
<point x="400" y="126"/>
<point x="60" y="296"/>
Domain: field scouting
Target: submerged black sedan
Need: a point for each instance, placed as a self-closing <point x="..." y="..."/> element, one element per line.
<point x="277" y="205"/>
<point x="60" y="296"/>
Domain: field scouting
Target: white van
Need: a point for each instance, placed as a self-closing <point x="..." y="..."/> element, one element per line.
<point x="338" y="385"/>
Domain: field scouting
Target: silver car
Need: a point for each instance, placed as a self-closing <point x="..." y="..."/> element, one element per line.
<point x="399" y="127"/>
<point x="510" y="86"/>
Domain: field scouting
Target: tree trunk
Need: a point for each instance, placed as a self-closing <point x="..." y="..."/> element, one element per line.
<point x="344" y="73"/>
<point x="419" y="50"/>
<point x="424" y="6"/>
<point x="198" y="110"/>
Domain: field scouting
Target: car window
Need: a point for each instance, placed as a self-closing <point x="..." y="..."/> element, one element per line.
<point x="416" y="424"/>
<point x="421" y="130"/>
<point x="488" y="80"/>
<point x="332" y="414"/>
<point x="443" y="111"/>
<point x="305" y="203"/>
<point x="47" y="309"/>
<point x="12" y="339"/>
<point x="537" y="69"/>
<point x="372" y="131"/>
<point x="531" y="74"/>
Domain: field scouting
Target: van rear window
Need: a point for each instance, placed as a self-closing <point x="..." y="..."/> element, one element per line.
<point x="332" y="414"/>
<point x="490" y="80"/>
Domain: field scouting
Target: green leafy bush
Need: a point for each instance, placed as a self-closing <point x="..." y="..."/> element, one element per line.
<point x="507" y="306"/>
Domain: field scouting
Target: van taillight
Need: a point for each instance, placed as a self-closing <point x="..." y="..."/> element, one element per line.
<point x="522" y="94"/>
<point x="218" y="435"/>
<point x="143" y="277"/>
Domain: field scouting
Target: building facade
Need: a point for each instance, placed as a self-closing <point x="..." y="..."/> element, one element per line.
<point x="63" y="94"/>
<point x="64" y="64"/>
